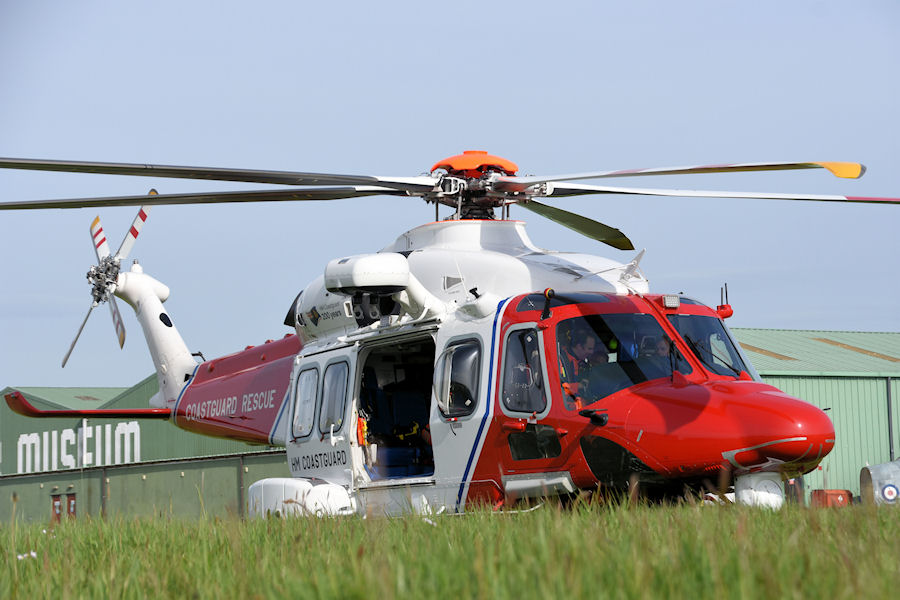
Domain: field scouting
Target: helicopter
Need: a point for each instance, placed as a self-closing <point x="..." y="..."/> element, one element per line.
<point x="462" y="365"/>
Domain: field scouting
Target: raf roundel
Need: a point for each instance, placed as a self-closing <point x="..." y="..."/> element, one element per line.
<point x="889" y="493"/>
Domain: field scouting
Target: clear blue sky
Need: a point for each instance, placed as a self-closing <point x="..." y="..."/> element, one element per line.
<point x="389" y="88"/>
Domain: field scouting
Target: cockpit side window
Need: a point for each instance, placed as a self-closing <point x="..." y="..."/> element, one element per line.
<point x="523" y="381"/>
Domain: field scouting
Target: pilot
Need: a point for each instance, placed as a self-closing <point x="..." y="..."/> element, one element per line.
<point x="656" y="359"/>
<point x="662" y="348"/>
<point x="576" y="362"/>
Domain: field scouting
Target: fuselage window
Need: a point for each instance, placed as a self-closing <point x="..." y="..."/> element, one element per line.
<point x="523" y="380"/>
<point x="305" y="407"/>
<point x="334" y="396"/>
<point x="456" y="379"/>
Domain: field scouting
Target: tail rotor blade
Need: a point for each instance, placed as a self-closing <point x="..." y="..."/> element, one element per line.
<point x="133" y="232"/>
<point x="117" y="321"/>
<point x="77" y="335"/>
<point x="101" y="247"/>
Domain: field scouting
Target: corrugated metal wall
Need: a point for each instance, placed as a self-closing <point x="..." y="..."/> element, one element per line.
<point x="893" y="386"/>
<point x="158" y="440"/>
<point x="193" y="488"/>
<point x="858" y="407"/>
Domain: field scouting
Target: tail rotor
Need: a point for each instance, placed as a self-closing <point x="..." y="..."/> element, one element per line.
<point x="104" y="276"/>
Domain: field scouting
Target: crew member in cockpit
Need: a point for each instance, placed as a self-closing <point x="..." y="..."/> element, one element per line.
<point x="576" y="361"/>
<point x="656" y="360"/>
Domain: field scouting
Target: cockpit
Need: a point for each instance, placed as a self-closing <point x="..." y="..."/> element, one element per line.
<point x="595" y="345"/>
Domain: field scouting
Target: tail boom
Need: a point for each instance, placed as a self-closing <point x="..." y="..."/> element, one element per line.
<point x="171" y="357"/>
<point x="241" y="396"/>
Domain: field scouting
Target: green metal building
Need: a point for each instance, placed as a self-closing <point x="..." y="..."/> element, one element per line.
<point x="855" y="376"/>
<point x="119" y="466"/>
<point x="133" y="468"/>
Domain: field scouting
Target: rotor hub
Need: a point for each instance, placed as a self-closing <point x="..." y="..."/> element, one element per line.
<point x="474" y="164"/>
<point x="467" y="183"/>
<point x="103" y="278"/>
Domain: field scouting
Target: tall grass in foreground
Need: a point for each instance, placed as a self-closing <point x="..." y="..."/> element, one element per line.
<point x="583" y="552"/>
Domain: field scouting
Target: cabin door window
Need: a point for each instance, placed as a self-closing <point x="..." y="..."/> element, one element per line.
<point x="305" y="404"/>
<point x="334" y="398"/>
<point x="456" y="379"/>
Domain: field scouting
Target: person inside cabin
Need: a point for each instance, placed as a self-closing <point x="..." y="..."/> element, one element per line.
<point x="579" y="354"/>
<point x="655" y="357"/>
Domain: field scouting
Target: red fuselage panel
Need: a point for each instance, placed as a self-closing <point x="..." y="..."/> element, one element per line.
<point x="239" y="396"/>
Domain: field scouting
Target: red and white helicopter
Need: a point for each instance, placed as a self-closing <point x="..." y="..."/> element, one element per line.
<point x="461" y="364"/>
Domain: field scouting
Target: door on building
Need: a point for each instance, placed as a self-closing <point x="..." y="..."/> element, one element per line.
<point x="56" y="508"/>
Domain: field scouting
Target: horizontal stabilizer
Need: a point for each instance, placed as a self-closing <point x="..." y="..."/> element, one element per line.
<point x="18" y="404"/>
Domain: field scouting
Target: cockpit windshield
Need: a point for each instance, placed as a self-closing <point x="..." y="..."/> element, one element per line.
<point x="711" y="343"/>
<point x="602" y="354"/>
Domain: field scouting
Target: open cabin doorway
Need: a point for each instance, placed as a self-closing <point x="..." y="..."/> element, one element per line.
<point x="393" y="410"/>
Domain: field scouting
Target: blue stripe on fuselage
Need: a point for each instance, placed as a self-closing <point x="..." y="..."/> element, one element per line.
<point x="487" y="412"/>
<point x="284" y="403"/>
<point x="181" y="395"/>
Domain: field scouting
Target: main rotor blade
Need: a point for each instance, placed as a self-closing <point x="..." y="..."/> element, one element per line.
<point x="77" y="335"/>
<point x="578" y="189"/>
<point x="421" y="184"/>
<point x="588" y="227"/>
<point x="849" y="170"/>
<point x="335" y="193"/>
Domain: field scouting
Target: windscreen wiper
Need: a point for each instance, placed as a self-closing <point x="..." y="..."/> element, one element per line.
<point x="700" y="356"/>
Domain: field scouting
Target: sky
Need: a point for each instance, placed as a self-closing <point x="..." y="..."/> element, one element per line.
<point x="390" y="88"/>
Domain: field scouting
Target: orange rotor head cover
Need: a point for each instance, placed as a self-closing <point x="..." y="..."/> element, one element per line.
<point x="473" y="163"/>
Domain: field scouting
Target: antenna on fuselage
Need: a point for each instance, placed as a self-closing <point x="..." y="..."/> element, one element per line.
<point x="724" y="309"/>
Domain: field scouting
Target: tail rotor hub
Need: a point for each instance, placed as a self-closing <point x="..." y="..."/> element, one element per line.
<point x="103" y="278"/>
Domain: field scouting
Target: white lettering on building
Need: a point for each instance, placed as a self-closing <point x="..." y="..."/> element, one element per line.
<point x="70" y="448"/>
<point x="67" y="438"/>
<point x="125" y="433"/>
<point x="28" y="451"/>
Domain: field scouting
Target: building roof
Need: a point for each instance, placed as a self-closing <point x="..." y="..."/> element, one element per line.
<point x="822" y="353"/>
<point x="68" y="398"/>
<point x="88" y="398"/>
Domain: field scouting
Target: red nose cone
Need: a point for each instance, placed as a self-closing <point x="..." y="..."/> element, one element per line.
<point x="781" y="432"/>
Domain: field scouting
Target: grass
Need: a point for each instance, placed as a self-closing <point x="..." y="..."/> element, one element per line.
<point x="587" y="551"/>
